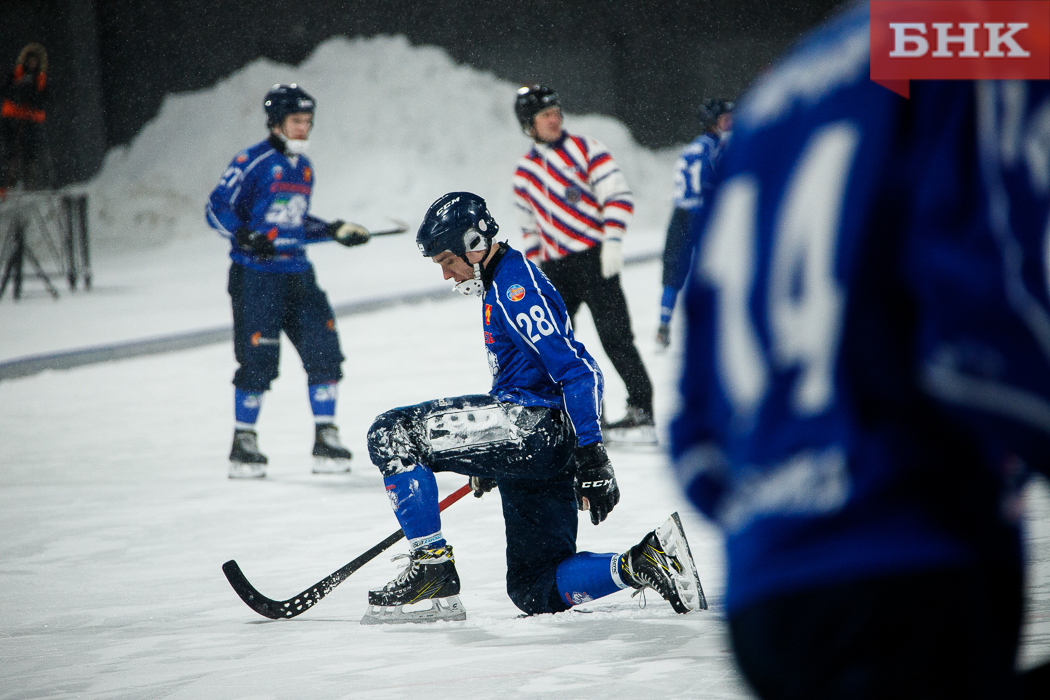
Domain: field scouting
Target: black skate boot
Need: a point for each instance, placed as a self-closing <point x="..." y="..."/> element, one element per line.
<point x="430" y="579"/>
<point x="246" y="462"/>
<point x="330" y="456"/>
<point x="662" y="562"/>
<point x="635" y="428"/>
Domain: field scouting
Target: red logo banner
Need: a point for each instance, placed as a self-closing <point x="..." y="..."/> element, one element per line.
<point x="958" y="40"/>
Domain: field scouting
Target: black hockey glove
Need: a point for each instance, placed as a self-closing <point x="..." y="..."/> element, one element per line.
<point x="348" y="234"/>
<point x="595" y="482"/>
<point x="482" y="485"/>
<point x="254" y="242"/>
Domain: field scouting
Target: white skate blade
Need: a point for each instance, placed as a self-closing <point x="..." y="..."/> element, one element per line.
<point x="687" y="583"/>
<point x="431" y="610"/>
<point x="639" y="436"/>
<point x="327" y="465"/>
<point x="247" y="470"/>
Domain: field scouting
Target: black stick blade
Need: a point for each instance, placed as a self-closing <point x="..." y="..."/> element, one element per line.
<point x="267" y="607"/>
<point x="284" y="609"/>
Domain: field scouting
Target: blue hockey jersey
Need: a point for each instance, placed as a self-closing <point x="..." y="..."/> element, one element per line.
<point x="267" y="191"/>
<point x="695" y="178"/>
<point x="534" y="357"/>
<point x="694" y="171"/>
<point x="868" y="323"/>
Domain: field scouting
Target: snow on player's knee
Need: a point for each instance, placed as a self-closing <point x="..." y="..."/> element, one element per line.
<point x="390" y="446"/>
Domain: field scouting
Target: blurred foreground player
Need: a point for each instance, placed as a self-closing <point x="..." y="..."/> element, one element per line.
<point x="866" y="375"/>
<point x="535" y="436"/>
<point x="261" y="205"/>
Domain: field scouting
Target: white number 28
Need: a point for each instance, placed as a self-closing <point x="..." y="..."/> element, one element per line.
<point x="544" y="326"/>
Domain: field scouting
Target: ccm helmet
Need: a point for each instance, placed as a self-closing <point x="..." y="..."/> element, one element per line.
<point x="711" y="110"/>
<point x="458" y="222"/>
<point x="283" y="100"/>
<point x="531" y="100"/>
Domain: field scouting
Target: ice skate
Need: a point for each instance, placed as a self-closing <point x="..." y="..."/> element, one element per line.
<point x="330" y="456"/>
<point x="246" y="462"/>
<point x="662" y="561"/>
<point x="427" y="590"/>
<point x="635" y="428"/>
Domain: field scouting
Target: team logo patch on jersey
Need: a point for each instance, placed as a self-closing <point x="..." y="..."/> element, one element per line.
<point x="573" y="194"/>
<point x="241" y="157"/>
<point x="516" y="292"/>
<point x="278" y="172"/>
<point x="307" y="174"/>
<point x="488" y="314"/>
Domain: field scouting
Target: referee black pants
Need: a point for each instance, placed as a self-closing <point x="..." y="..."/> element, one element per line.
<point x="578" y="278"/>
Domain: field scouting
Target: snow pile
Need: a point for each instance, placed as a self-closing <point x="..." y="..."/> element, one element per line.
<point x="397" y="126"/>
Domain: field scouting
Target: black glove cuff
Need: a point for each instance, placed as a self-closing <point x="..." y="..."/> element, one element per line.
<point x="333" y="227"/>
<point x="591" y="456"/>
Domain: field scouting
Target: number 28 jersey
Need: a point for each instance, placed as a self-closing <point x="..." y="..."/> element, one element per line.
<point x="534" y="357"/>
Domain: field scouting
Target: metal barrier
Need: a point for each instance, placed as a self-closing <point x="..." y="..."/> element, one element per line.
<point x="47" y="232"/>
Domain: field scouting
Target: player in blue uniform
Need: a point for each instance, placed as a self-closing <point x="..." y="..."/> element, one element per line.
<point x="535" y="435"/>
<point x="694" y="183"/>
<point x="261" y="205"/>
<point x="866" y="374"/>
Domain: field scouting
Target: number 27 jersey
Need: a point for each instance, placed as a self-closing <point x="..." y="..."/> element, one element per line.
<point x="534" y="357"/>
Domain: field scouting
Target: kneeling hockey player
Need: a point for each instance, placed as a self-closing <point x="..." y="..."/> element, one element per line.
<point x="535" y="436"/>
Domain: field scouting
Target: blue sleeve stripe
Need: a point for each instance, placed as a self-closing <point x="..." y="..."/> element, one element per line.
<point x="216" y="224"/>
<point x="255" y="162"/>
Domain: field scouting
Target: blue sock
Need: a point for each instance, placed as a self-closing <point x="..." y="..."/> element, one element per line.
<point x="322" y="401"/>
<point x="414" y="497"/>
<point x="667" y="302"/>
<point x="246" y="405"/>
<point x="587" y="576"/>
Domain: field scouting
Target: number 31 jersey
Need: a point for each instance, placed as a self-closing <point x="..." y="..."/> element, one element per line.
<point x="534" y="357"/>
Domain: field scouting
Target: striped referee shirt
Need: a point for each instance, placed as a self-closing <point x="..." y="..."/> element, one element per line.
<point x="571" y="196"/>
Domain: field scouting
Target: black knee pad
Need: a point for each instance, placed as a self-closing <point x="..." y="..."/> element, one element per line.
<point x="394" y="442"/>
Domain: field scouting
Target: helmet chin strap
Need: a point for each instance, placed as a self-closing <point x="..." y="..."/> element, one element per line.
<point x="474" y="287"/>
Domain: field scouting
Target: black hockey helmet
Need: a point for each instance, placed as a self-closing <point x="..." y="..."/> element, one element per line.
<point x="711" y="110"/>
<point x="531" y="100"/>
<point x="458" y="222"/>
<point x="283" y="100"/>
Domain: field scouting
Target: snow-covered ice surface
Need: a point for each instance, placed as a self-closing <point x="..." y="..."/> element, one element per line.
<point x="115" y="510"/>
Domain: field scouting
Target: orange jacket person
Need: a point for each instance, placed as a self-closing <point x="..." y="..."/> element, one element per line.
<point x="22" y="114"/>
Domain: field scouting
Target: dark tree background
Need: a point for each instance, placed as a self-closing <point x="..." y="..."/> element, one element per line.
<point x="646" y="62"/>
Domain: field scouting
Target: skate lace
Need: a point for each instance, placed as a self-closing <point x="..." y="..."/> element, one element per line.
<point x="648" y="581"/>
<point x="248" y="442"/>
<point x="329" y="435"/>
<point x="406" y="572"/>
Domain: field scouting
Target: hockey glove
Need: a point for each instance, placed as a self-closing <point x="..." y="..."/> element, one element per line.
<point x="596" y="489"/>
<point x="481" y="485"/>
<point x="256" y="243"/>
<point x="612" y="257"/>
<point x="348" y="234"/>
<point x="663" y="335"/>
